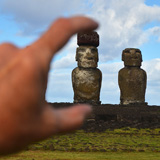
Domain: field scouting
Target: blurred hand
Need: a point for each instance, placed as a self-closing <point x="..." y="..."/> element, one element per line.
<point x="25" y="116"/>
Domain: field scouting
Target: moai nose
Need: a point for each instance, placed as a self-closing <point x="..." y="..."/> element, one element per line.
<point x="88" y="51"/>
<point x="133" y="53"/>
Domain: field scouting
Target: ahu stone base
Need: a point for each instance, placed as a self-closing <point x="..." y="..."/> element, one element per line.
<point x="108" y="116"/>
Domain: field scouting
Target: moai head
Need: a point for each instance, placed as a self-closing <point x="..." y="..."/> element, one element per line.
<point x="87" y="52"/>
<point x="132" y="57"/>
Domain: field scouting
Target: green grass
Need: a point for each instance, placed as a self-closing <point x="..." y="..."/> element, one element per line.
<point x="57" y="155"/>
<point x="119" y="144"/>
<point x="123" y="140"/>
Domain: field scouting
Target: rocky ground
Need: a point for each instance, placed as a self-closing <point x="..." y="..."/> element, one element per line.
<point x="108" y="116"/>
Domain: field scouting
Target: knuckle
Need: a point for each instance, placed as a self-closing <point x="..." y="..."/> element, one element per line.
<point x="8" y="45"/>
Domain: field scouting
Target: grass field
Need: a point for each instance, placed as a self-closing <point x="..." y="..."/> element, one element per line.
<point x="119" y="144"/>
<point x="126" y="139"/>
<point x="58" y="155"/>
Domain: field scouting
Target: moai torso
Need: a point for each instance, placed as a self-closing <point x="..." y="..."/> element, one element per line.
<point x="132" y="79"/>
<point x="86" y="78"/>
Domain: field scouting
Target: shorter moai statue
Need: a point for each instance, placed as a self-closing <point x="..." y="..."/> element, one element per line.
<point x="86" y="78"/>
<point x="132" y="79"/>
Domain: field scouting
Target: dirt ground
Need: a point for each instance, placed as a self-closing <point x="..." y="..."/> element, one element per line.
<point x="109" y="116"/>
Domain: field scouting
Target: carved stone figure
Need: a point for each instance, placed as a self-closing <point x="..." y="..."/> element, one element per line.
<point x="86" y="78"/>
<point x="132" y="79"/>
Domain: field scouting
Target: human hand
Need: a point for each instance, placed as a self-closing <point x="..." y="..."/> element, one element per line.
<point x="25" y="116"/>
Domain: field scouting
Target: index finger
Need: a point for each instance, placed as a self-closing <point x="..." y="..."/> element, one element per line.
<point x="58" y="35"/>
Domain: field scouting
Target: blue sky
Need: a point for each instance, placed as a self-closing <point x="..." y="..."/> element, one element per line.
<point x="123" y="24"/>
<point x="152" y="3"/>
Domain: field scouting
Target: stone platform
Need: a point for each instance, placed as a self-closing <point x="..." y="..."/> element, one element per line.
<point x="109" y="116"/>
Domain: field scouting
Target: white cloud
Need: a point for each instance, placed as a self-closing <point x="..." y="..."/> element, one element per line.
<point x="68" y="54"/>
<point x="155" y="31"/>
<point x="152" y="68"/>
<point x="59" y="87"/>
<point x="122" y="24"/>
<point x="67" y="61"/>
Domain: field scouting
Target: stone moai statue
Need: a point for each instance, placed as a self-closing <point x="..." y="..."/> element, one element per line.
<point x="132" y="79"/>
<point x="86" y="78"/>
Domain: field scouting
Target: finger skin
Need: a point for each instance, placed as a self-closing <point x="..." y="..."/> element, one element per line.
<point x="25" y="117"/>
<point x="7" y="52"/>
<point x="52" y="121"/>
<point x="64" y="120"/>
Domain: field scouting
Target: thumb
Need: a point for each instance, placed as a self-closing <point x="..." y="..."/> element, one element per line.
<point x="56" y="121"/>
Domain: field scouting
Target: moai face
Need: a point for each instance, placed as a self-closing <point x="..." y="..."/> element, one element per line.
<point x="87" y="56"/>
<point x="132" y="57"/>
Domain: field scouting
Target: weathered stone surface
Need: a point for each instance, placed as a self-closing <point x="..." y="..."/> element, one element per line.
<point x="88" y="38"/>
<point x="132" y="57"/>
<point x="86" y="85"/>
<point x="87" y="56"/>
<point x="109" y="116"/>
<point x="132" y="79"/>
<point x="86" y="78"/>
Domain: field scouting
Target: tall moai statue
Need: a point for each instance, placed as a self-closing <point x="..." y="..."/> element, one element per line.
<point x="86" y="78"/>
<point x="132" y="79"/>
